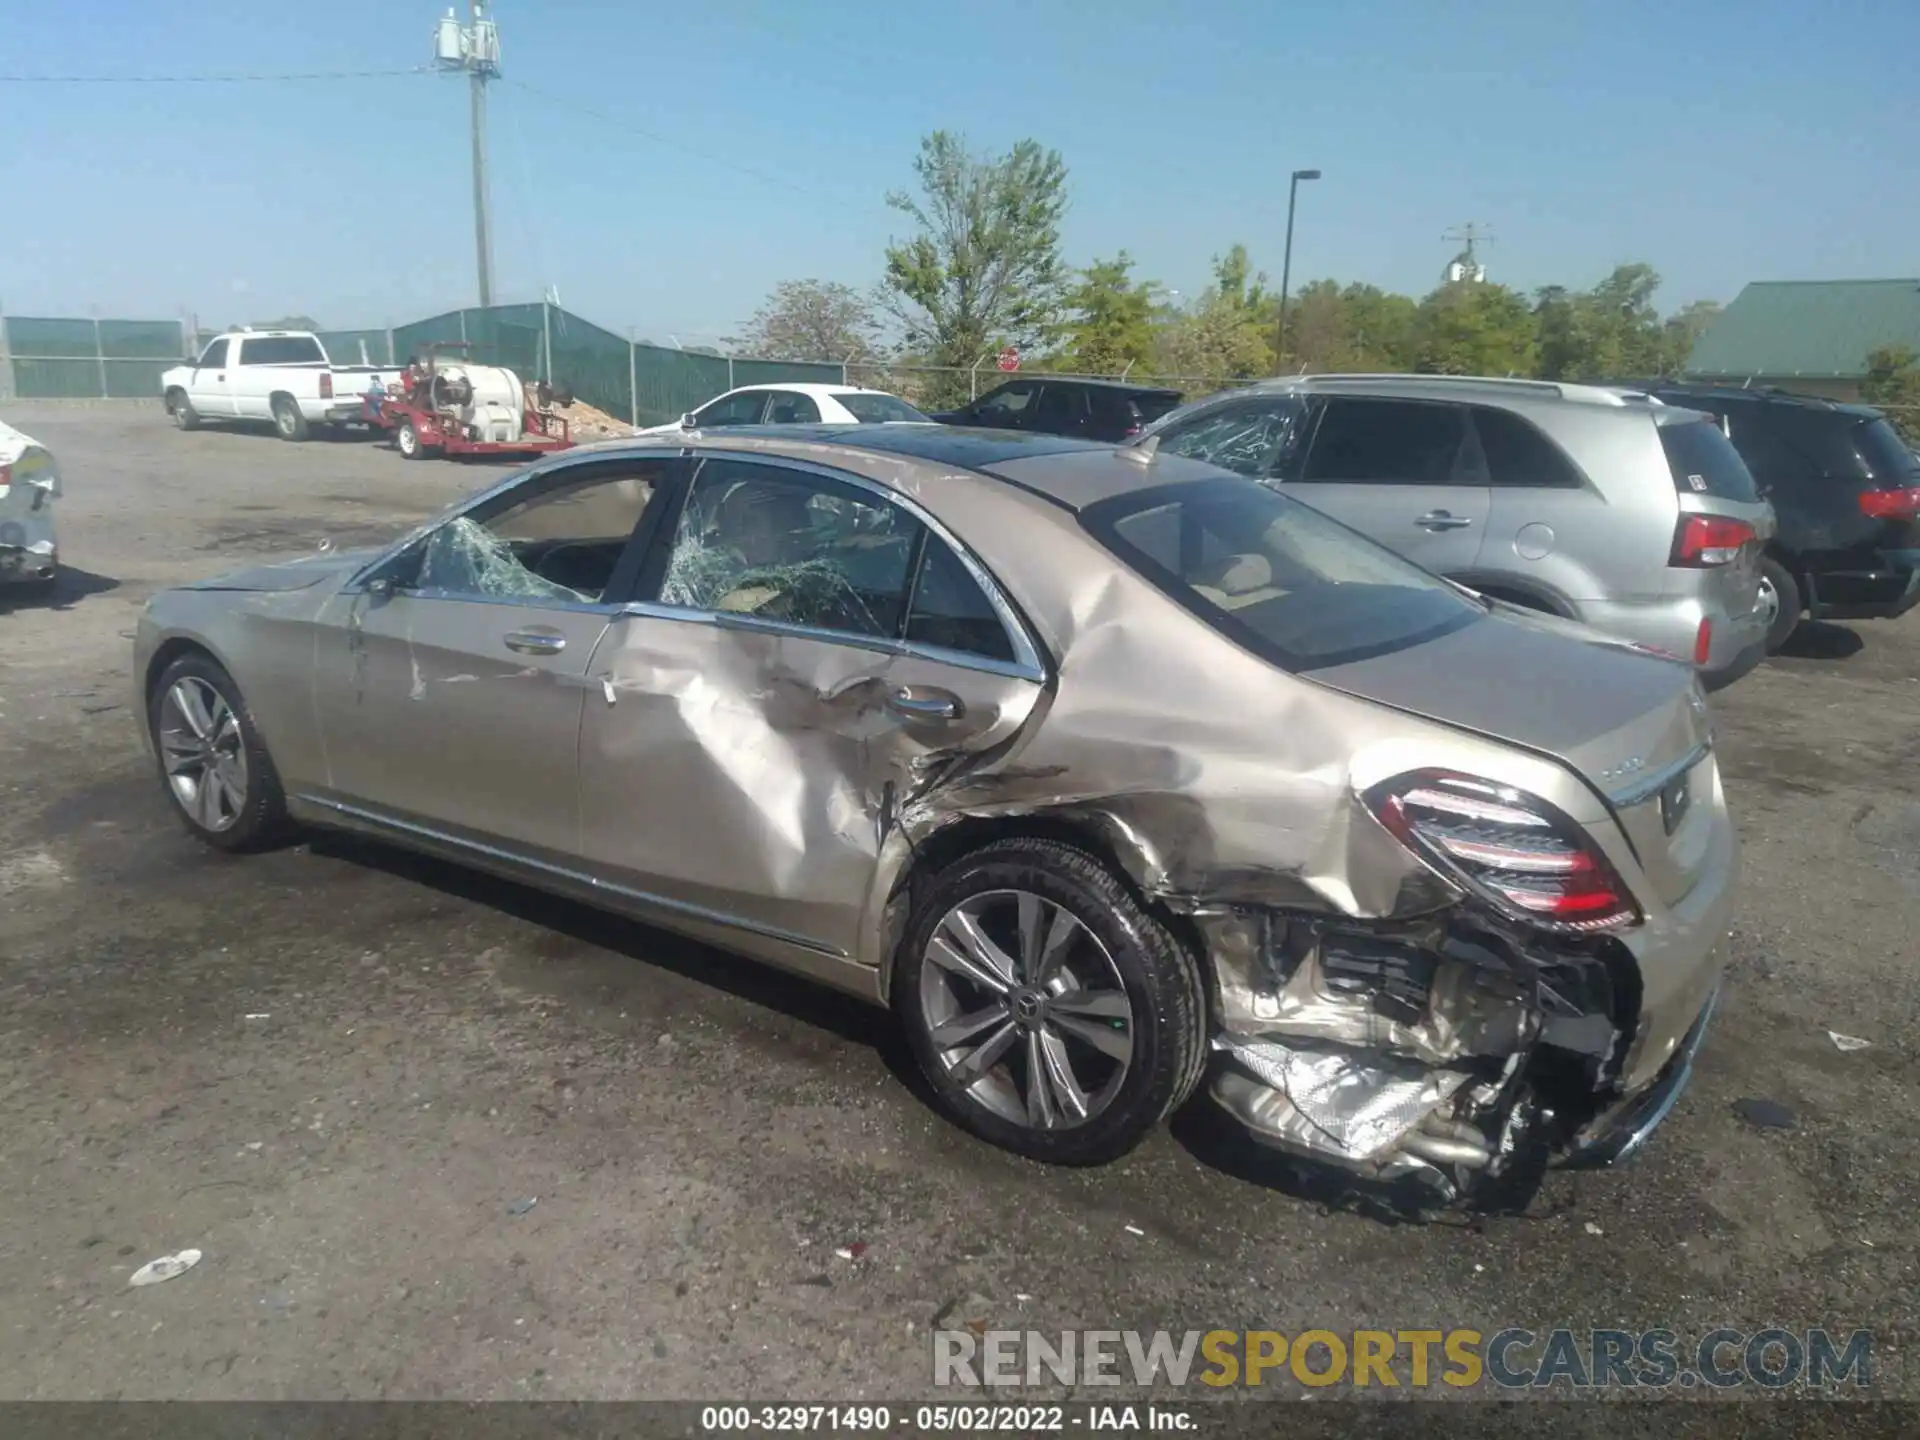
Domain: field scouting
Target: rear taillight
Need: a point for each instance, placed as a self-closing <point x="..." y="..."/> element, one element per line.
<point x="326" y="385"/>
<point x="1891" y="504"/>
<point x="6" y="479"/>
<point x="1507" y="847"/>
<point x="1704" y="540"/>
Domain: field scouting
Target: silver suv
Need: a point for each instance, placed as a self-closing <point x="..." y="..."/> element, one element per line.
<point x="1598" y="505"/>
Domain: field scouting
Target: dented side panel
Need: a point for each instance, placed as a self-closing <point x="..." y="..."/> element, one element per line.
<point x="761" y="772"/>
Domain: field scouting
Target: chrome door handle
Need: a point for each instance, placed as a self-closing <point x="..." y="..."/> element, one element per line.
<point x="924" y="702"/>
<point x="535" y="642"/>
<point x="1442" y="520"/>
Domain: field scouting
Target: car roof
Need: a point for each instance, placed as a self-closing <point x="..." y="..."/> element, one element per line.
<point x="1487" y="389"/>
<point x="1768" y="395"/>
<point x="815" y="388"/>
<point x="1124" y="387"/>
<point x="1070" y="473"/>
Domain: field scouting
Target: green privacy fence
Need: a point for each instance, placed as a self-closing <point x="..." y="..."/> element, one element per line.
<point x="60" y="359"/>
<point x="630" y="380"/>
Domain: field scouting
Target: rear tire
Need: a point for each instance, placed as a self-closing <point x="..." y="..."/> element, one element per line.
<point x="1102" y="1010"/>
<point x="185" y="417"/>
<point x="288" y="420"/>
<point x="214" y="766"/>
<point x="1776" y="580"/>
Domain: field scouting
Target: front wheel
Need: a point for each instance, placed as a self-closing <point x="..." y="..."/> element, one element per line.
<point x="217" y="772"/>
<point x="1049" y="1010"/>
<point x="1780" y="601"/>
<point x="185" y="417"/>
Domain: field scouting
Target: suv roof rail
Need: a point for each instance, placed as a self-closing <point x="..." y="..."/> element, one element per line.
<point x="1588" y="394"/>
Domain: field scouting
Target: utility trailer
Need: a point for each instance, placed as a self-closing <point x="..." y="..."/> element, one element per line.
<point x="459" y="408"/>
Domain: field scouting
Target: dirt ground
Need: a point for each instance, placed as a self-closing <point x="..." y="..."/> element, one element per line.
<point x="335" y="1070"/>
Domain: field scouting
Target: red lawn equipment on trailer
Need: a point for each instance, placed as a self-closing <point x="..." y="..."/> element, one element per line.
<point x="465" y="409"/>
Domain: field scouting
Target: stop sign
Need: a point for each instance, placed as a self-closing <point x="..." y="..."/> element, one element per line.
<point x="1009" y="358"/>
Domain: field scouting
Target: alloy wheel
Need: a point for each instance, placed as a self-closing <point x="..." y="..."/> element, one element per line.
<point x="1767" y="601"/>
<point x="1026" y="1010"/>
<point x="204" y="754"/>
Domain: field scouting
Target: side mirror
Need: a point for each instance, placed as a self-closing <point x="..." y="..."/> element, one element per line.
<point x="382" y="586"/>
<point x="686" y="421"/>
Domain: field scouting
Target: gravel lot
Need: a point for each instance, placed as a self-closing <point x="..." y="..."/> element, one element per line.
<point x="334" y="1069"/>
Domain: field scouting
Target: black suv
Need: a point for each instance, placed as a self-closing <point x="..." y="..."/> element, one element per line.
<point x="1845" y="493"/>
<point x="1057" y="405"/>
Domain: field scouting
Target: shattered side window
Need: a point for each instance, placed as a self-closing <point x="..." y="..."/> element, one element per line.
<point x="562" y="544"/>
<point x="465" y="558"/>
<point x="1248" y="438"/>
<point x="760" y="540"/>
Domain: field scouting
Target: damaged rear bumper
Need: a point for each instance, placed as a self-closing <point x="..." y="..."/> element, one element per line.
<point x="1618" y="1133"/>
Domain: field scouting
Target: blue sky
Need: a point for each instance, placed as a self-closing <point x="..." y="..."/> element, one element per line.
<point x="740" y="145"/>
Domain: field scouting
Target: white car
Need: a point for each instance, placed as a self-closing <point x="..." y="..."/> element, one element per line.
<point x="811" y="404"/>
<point x="29" y="484"/>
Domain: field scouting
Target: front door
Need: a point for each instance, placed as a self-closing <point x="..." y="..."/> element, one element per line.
<point x="815" y="660"/>
<point x="1011" y="407"/>
<point x="210" y="390"/>
<point x="453" y="699"/>
<point x="1406" y="473"/>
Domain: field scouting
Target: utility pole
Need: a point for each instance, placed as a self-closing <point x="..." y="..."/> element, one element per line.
<point x="474" y="49"/>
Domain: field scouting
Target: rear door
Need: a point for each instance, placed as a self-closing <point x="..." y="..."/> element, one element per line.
<point x="1407" y="473"/>
<point x="815" y="656"/>
<point x="1062" y="409"/>
<point x="210" y="389"/>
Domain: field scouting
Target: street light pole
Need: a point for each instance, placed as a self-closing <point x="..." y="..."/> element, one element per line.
<point x="1286" y="263"/>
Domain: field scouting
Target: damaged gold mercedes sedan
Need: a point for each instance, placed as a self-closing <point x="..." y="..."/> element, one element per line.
<point x="1113" y="774"/>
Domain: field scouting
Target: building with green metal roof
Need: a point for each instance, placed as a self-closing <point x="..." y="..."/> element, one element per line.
<point x="1813" y="336"/>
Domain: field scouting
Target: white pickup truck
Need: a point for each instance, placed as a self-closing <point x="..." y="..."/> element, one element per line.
<point x="281" y="378"/>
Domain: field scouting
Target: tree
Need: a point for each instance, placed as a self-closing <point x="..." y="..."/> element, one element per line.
<point x="1109" y="324"/>
<point x="1359" y="328"/>
<point x="1683" y="331"/>
<point x="289" y="322"/>
<point x="1469" y="327"/>
<point x="985" y="269"/>
<point x="811" y="320"/>
<point x="1224" y="334"/>
<point x="1893" y="383"/>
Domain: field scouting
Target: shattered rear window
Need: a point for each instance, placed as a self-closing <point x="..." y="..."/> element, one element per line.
<point x="755" y="541"/>
<point x="1276" y="576"/>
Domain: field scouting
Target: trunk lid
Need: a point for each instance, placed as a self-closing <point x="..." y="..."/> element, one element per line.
<point x="1633" y="725"/>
